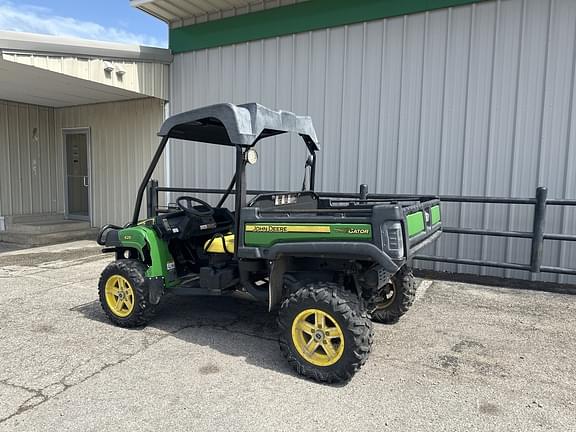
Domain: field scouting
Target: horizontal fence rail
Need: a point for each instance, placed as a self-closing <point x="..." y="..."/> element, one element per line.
<point x="537" y="236"/>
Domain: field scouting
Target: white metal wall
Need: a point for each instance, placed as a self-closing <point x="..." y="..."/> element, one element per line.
<point x="472" y="100"/>
<point x="147" y="78"/>
<point x="30" y="167"/>
<point x="123" y="140"/>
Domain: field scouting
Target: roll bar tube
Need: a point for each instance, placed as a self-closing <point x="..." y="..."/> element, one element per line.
<point x="239" y="178"/>
<point x="146" y="179"/>
<point x="240" y="198"/>
<point x="313" y="171"/>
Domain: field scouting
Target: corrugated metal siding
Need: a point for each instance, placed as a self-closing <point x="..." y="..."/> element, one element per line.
<point x="473" y="100"/>
<point x="30" y="162"/>
<point x="123" y="140"/>
<point x="143" y="77"/>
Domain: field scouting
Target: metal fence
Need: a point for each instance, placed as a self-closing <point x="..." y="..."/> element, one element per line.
<point x="537" y="236"/>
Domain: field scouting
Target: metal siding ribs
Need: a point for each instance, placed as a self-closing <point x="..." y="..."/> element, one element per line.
<point x="474" y="99"/>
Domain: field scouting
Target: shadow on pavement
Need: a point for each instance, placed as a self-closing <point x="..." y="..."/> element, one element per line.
<point x="234" y="327"/>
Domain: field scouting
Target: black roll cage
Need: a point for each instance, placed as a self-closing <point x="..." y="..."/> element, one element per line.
<point x="240" y="126"/>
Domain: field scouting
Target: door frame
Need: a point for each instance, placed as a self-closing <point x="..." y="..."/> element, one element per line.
<point x="74" y="131"/>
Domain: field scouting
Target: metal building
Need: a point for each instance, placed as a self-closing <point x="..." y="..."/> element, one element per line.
<point x="443" y="96"/>
<point x="78" y="123"/>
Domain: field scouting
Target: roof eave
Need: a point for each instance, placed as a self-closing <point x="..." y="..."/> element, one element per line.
<point x="30" y="42"/>
<point x="141" y="4"/>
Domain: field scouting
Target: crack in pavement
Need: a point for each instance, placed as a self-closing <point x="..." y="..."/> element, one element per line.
<point x="39" y="397"/>
<point x="34" y="400"/>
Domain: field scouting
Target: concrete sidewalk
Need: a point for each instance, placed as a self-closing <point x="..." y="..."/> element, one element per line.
<point x="464" y="358"/>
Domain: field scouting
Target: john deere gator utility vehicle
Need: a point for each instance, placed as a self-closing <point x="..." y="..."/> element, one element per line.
<point x="328" y="263"/>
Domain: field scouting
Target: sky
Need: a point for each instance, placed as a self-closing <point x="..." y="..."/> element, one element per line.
<point x="106" y="20"/>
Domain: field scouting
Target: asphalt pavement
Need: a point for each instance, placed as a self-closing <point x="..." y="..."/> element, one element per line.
<point x="466" y="357"/>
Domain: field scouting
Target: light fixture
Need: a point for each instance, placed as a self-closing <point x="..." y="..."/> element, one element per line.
<point x="108" y="66"/>
<point x="120" y="71"/>
<point x="251" y="156"/>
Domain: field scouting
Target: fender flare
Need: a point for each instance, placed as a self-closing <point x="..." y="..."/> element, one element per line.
<point x="110" y="236"/>
<point x="280" y="255"/>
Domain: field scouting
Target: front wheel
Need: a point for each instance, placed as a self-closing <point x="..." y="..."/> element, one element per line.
<point x="324" y="332"/>
<point x="396" y="297"/>
<point x="123" y="293"/>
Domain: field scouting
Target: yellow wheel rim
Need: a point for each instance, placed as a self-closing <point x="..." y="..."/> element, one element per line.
<point x="119" y="296"/>
<point x="317" y="337"/>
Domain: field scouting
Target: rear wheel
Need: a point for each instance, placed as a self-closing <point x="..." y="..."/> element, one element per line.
<point x="396" y="297"/>
<point x="324" y="332"/>
<point x="123" y="293"/>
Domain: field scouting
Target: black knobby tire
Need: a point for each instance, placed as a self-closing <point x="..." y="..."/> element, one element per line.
<point x="134" y="272"/>
<point x="404" y="286"/>
<point x="347" y="311"/>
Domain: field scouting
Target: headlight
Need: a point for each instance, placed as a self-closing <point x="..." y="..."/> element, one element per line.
<point x="392" y="239"/>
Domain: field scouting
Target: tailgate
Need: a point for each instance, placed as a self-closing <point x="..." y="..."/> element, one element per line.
<point x="423" y="223"/>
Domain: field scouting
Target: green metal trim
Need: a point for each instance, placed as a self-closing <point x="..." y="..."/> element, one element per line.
<point x="138" y="238"/>
<point x="134" y="238"/>
<point x="336" y="232"/>
<point x="435" y="214"/>
<point x="415" y="223"/>
<point x="297" y="18"/>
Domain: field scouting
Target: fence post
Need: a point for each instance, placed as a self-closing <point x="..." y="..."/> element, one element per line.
<point x="363" y="193"/>
<point x="538" y="229"/>
<point x="151" y="198"/>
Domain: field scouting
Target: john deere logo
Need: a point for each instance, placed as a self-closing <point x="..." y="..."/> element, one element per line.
<point x="269" y="228"/>
<point x="127" y="237"/>
<point x="288" y="229"/>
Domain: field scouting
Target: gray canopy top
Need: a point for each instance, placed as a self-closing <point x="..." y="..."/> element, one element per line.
<point x="244" y="125"/>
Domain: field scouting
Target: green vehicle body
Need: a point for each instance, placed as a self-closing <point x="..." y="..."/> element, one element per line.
<point x="143" y="239"/>
<point x="146" y="242"/>
<point x="268" y="234"/>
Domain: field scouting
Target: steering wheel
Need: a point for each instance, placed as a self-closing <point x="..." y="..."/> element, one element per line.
<point x="185" y="204"/>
